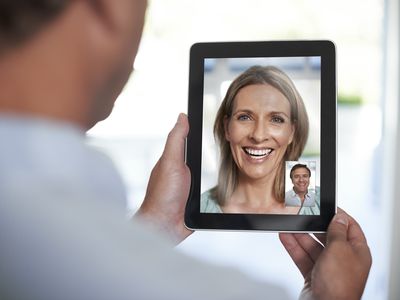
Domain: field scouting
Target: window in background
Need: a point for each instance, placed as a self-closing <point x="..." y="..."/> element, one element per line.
<point x="135" y="133"/>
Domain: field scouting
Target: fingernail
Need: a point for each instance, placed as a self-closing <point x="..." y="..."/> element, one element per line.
<point x="341" y="218"/>
<point x="180" y="116"/>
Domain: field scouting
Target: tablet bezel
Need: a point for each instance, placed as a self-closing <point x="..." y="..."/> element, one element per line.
<point x="194" y="219"/>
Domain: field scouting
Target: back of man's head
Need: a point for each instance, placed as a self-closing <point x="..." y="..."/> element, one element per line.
<point x="67" y="60"/>
<point x="19" y="19"/>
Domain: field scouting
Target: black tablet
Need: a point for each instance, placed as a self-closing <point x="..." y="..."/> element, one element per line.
<point x="262" y="141"/>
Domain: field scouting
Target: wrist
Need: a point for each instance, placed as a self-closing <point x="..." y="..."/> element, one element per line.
<point x="174" y="231"/>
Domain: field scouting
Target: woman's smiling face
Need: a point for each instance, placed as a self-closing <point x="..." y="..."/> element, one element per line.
<point x="259" y="130"/>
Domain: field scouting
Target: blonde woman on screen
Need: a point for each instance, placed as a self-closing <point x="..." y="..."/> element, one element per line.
<point x="261" y="123"/>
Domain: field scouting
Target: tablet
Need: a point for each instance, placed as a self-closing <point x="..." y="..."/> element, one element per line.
<point x="262" y="142"/>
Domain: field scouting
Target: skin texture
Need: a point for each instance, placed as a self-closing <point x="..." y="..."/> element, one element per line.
<point x="73" y="70"/>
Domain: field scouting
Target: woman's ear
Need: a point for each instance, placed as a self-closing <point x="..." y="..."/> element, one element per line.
<point x="226" y="128"/>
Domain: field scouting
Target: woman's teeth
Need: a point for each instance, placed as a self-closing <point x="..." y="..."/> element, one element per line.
<point x="258" y="152"/>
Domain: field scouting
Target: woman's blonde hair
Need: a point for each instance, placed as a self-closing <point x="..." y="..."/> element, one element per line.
<point x="228" y="171"/>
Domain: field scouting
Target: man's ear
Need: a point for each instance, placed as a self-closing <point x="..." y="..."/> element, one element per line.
<point x="112" y="29"/>
<point x="103" y="12"/>
<point x="116" y="15"/>
<point x="226" y="128"/>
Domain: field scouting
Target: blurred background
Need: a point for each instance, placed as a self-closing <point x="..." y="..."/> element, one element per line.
<point x="366" y="34"/>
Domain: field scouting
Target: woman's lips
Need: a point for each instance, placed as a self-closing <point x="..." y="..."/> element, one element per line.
<point x="257" y="153"/>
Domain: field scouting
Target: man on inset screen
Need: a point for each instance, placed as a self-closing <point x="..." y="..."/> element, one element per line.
<point x="299" y="195"/>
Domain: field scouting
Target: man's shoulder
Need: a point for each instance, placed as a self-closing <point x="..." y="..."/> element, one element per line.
<point x="290" y="193"/>
<point x="291" y="199"/>
<point x="52" y="160"/>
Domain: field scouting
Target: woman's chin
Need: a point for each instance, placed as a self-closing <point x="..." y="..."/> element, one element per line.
<point x="255" y="176"/>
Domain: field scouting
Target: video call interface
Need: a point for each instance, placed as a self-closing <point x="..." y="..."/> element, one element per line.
<point x="253" y="164"/>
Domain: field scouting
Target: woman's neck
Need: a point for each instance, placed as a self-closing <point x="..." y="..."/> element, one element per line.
<point x="255" y="195"/>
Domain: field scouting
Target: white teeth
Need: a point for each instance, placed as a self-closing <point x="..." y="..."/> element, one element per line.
<point x="258" y="152"/>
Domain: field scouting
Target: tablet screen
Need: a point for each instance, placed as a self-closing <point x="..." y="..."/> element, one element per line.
<point x="261" y="127"/>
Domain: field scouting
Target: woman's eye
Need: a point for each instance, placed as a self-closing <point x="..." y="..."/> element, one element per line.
<point x="277" y="119"/>
<point x="243" y="117"/>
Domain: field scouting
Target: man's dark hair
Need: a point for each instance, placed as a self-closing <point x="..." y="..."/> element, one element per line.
<point x="19" y="19"/>
<point x="298" y="166"/>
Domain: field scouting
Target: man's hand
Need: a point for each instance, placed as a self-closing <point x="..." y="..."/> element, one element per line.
<point x="336" y="268"/>
<point x="169" y="185"/>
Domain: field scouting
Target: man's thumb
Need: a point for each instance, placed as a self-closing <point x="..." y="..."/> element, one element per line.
<point x="337" y="230"/>
<point x="175" y="145"/>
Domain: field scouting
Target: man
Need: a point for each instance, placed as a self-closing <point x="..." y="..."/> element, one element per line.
<point x="300" y="195"/>
<point x="62" y="230"/>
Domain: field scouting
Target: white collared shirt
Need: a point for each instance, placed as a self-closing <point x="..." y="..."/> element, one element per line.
<point x="292" y="199"/>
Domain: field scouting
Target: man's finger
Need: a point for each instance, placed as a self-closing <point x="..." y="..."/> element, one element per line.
<point x="321" y="237"/>
<point x="300" y="257"/>
<point x="310" y="245"/>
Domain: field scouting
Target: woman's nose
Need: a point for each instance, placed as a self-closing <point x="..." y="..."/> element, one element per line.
<point x="260" y="132"/>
